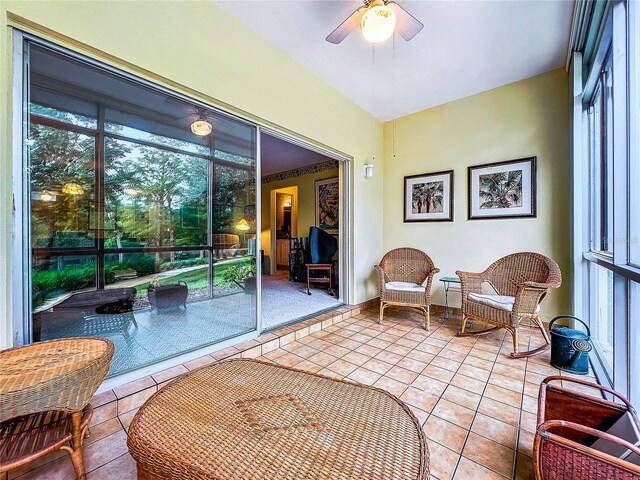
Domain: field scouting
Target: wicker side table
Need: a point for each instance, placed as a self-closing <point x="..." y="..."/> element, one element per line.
<point x="246" y="419"/>
<point x="45" y="389"/>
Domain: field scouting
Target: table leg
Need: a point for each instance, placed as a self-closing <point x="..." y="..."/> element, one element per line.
<point x="308" y="275"/>
<point x="445" y="316"/>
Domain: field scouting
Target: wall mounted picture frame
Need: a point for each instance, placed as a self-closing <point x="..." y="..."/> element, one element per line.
<point x="428" y="197"/>
<point x="502" y="189"/>
<point x="327" y="201"/>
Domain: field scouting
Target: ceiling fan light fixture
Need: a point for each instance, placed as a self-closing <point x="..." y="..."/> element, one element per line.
<point x="201" y="127"/>
<point x="378" y="23"/>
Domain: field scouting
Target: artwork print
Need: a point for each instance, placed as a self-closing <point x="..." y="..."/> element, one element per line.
<point x="428" y="197"/>
<point x="503" y="190"/>
<point x="327" y="196"/>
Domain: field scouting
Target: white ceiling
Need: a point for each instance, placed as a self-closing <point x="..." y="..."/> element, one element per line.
<point x="466" y="47"/>
<point x="278" y="156"/>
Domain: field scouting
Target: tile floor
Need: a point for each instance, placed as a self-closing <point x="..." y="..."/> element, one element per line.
<point x="476" y="404"/>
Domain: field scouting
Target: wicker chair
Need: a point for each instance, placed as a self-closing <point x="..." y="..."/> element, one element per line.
<point x="405" y="276"/>
<point x="45" y="389"/>
<point x="521" y="281"/>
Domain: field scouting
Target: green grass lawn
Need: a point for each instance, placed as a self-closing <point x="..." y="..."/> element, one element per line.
<point x="197" y="278"/>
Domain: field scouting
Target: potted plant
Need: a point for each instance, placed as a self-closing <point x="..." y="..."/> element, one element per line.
<point x="243" y="276"/>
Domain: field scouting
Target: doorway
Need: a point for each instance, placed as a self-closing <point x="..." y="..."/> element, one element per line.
<point x="302" y="197"/>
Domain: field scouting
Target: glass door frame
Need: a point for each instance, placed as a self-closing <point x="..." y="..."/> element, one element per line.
<point x="21" y="248"/>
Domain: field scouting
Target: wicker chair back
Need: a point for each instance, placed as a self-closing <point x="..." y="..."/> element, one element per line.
<point x="407" y="265"/>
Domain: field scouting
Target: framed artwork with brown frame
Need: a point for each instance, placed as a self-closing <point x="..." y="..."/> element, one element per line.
<point x="327" y="202"/>
<point x="502" y="189"/>
<point x="428" y="197"/>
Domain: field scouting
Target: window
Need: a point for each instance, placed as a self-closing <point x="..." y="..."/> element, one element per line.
<point x="125" y="199"/>
<point x="601" y="154"/>
<point x="611" y="252"/>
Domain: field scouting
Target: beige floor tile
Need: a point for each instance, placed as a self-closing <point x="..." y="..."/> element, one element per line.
<point x="442" y="461"/>
<point x="454" y="413"/>
<point x="393" y="386"/>
<point x="412" y="364"/>
<point x="438" y="373"/>
<point x="504" y="395"/>
<point x="447" y="364"/>
<point x="419" y="399"/>
<point x="389" y="357"/>
<point x="469" y="470"/>
<point x="356" y="358"/>
<point x="445" y="433"/>
<point x="402" y="375"/>
<point x="498" y="431"/>
<point x="524" y="468"/>
<point x="528" y="421"/>
<point x="378" y="366"/>
<point x="474" y="372"/>
<point x="525" y="443"/>
<point x="429" y="385"/>
<point x="362" y="375"/>
<point x="506" y="382"/>
<point x="420" y="356"/>
<point x="490" y="454"/>
<point x="122" y="468"/>
<point x="322" y="359"/>
<point x="468" y="383"/>
<point x="308" y="366"/>
<point x="478" y="363"/>
<point x="342" y="367"/>
<point x="462" y="397"/>
<point x="500" y="411"/>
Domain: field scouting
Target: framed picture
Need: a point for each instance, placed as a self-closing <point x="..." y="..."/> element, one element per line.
<point x="429" y="197"/>
<point x="327" y="196"/>
<point x="503" y="189"/>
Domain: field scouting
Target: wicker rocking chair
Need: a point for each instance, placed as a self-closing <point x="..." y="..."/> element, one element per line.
<point x="405" y="276"/>
<point x="521" y="281"/>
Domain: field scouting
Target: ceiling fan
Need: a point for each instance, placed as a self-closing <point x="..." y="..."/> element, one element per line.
<point x="378" y="19"/>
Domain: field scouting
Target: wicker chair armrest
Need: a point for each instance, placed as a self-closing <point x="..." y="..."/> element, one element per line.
<point x="542" y="286"/>
<point x="543" y="431"/>
<point x="471" y="282"/>
<point x="557" y="378"/>
<point x="381" y="277"/>
<point x="528" y="299"/>
<point x="428" y="282"/>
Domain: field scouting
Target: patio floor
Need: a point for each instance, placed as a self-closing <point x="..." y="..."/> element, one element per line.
<point x="476" y="404"/>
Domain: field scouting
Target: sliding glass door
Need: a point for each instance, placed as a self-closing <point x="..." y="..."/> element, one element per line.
<point x="142" y="227"/>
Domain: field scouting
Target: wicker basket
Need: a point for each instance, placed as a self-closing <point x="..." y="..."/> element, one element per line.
<point x="568" y="422"/>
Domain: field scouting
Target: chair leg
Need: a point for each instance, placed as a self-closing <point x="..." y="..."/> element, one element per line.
<point x="427" y="318"/>
<point x="383" y="305"/>
<point x="76" y="450"/>
<point x="535" y="351"/>
<point x="514" y="334"/>
<point x="463" y="325"/>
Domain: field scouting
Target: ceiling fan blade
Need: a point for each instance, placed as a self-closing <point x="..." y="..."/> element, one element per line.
<point x="346" y="27"/>
<point x="407" y="25"/>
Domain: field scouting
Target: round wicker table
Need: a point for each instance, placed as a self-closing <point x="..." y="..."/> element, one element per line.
<point x="45" y="389"/>
<point x="250" y="420"/>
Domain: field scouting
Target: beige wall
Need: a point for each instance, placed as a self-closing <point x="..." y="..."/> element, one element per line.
<point x="305" y="203"/>
<point x="526" y="118"/>
<point x="199" y="49"/>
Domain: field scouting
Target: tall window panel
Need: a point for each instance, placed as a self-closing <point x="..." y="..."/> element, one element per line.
<point x="612" y="262"/>
<point x="134" y="215"/>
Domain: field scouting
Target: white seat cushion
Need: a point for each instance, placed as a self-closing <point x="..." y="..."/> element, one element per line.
<point x="404" y="287"/>
<point x="501" y="302"/>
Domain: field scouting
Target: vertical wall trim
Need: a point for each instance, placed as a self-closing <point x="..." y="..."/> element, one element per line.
<point x="18" y="309"/>
<point x="578" y="189"/>
<point x="258" y="251"/>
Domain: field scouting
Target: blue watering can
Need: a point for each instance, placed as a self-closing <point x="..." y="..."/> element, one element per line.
<point x="569" y="347"/>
